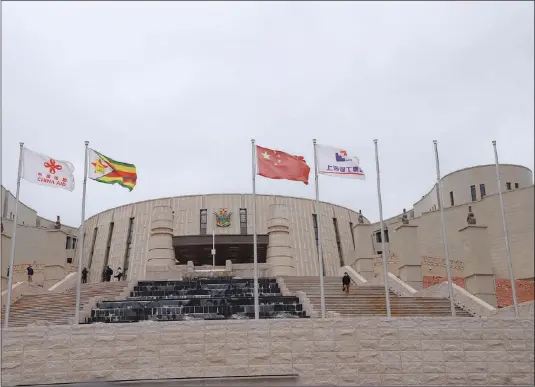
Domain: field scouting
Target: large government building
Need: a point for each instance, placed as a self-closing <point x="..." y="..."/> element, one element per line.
<point x="172" y="232"/>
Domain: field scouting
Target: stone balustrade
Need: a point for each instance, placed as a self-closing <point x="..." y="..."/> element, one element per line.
<point x="349" y="351"/>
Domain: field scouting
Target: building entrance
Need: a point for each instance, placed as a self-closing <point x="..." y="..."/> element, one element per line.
<point x="237" y="248"/>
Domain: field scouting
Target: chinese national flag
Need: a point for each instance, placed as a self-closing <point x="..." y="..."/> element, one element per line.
<point x="275" y="164"/>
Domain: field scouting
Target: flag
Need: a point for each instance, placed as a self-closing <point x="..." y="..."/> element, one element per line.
<point x="275" y="164"/>
<point x="106" y="170"/>
<point x="336" y="162"/>
<point x="48" y="171"/>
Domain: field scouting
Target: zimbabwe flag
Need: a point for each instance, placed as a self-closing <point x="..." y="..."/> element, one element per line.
<point x="106" y="170"/>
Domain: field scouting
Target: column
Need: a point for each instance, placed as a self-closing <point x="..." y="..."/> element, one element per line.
<point x="404" y="242"/>
<point x="279" y="252"/>
<point x="363" y="263"/>
<point x="161" y="251"/>
<point x="479" y="276"/>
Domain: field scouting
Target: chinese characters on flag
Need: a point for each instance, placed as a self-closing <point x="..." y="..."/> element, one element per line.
<point x="275" y="164"/>
<point x="44" y="170"/>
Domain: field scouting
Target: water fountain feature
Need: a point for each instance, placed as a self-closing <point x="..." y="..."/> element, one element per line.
<point x="201" y="298"/>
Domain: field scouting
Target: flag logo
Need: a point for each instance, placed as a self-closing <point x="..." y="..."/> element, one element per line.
<point x="341" y="156"/>
<point x="336" y="161"/>
<point x="100" y="168"/>
<point x="52" y="166"/>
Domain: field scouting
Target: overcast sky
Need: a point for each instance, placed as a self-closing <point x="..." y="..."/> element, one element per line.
<point x="179" y="89"/>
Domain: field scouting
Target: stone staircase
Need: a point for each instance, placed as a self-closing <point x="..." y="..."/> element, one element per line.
<point x="367" y="300"/>
<point x="58" y="308"/>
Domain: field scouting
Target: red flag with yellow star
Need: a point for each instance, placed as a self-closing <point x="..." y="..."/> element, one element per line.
<point x="106" y="170"/>
<point x="275" y="164"/>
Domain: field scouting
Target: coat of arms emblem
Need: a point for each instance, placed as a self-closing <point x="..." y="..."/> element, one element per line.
<point x="222" y="218"/>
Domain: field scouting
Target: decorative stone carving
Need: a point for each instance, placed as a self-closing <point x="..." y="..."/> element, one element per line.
<point x="57" y="226"/>
<point x="361" y="218"/>
<point x="471" y="218"/>
<point x="404" y="217"/>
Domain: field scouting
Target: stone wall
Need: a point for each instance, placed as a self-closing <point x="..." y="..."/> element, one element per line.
<point x="360" y="351"/>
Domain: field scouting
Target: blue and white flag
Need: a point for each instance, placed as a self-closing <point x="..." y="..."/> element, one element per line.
<point x="335" y="161"/>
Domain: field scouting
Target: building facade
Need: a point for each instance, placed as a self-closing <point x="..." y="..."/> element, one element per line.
<point x="124" y="236"/>
<point x="47" y="245"/>
<point x="475" y="188"/>
<point x="120" y="237"/>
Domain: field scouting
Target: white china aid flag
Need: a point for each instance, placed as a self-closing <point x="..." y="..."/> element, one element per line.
<point x="337" y="162"/>
<point x="48" y="171"/>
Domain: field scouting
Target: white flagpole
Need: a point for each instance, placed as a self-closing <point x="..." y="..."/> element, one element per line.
<point x="505" y="233"/>
<point x="318" y="221"/>
<point x="444" y="239"/>
<point x="13" y="240"/>
<point x="81" y="244"/>
<point x="383" y="247"/>
<point x="255" y="247"/>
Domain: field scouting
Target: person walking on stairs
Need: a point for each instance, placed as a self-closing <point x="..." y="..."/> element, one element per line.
<point x="109" y="273"/>
<point x="119" y="274"/>
<point x="29" y="270"/>
<point x="346" y="280"/>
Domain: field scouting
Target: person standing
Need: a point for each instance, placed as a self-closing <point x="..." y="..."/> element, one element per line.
<point x="346" y="281"/>
<point x="109" y="273"/>
<point x="29" y="270"/>
<point x="84" y="276"/>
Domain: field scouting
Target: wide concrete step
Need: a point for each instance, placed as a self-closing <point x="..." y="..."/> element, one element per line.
<point x="367" y="300"/>
<point x="345" y="299"/>
<point x="58" y="308"/>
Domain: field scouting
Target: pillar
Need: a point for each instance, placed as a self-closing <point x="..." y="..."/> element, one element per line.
<point x="479" y="276"/>
<point x="161" y="251"/>
<point x="404" y="242"/>
<point x="279" y="252"/>
<point x="363" y="264"/>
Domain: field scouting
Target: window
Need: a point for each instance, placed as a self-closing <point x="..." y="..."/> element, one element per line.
<point x="338" y="244"/>
<point x="508" y="185"/>
<point x="315" y="224"/>
<point x="126" y="261"/>
<point x="473" y="192"/>
<point x="516" y="185"/>
<point x="69" y="260"/>
<point x="352" y="234"/>
<point x="482" y="190"/>
<point x="452" y="201"/>
<point x="92" y="248"/>
<point x="68" y="243"/>
<point x="378" y="237"/>
<point x="74" y="242"/>
<point x="243" y="221"/>
<point x="204" y="220"/>
<point x="108" y="245"/>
